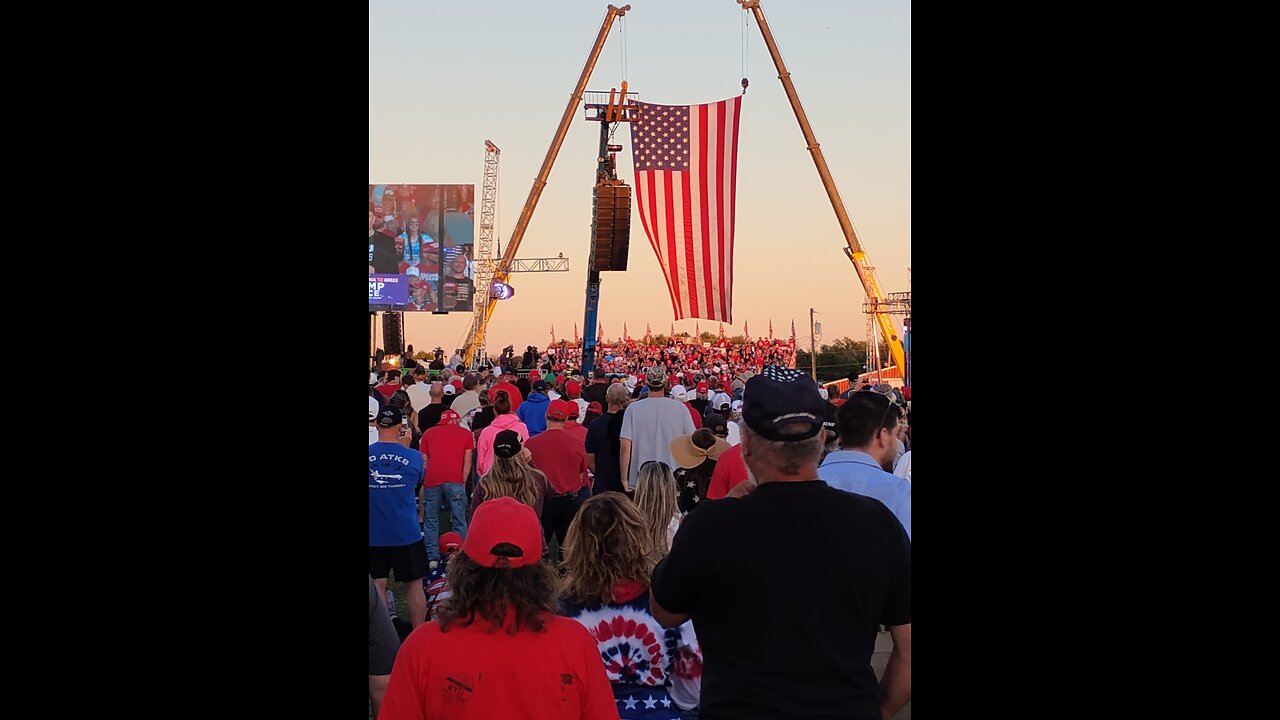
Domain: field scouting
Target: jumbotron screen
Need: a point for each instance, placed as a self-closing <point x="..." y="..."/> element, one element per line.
<point x="421" y="247"/>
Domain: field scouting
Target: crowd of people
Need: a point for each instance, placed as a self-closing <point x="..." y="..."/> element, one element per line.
<point x="614" y="540"/>
<point x="679" y="355"/>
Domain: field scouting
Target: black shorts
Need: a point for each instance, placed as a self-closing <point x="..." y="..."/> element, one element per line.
<point x="409" y="561"/>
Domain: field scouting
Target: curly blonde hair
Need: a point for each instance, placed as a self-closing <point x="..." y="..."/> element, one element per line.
<point x="656" y="496"/>
<point x="606" y="544"/>
<point x="511" y="477"/>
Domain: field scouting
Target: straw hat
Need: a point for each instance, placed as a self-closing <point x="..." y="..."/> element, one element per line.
<point x="688" y="455"/>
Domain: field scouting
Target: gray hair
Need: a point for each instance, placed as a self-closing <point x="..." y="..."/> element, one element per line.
<point x="617" y="394"/>
<point x="784" y="457"/>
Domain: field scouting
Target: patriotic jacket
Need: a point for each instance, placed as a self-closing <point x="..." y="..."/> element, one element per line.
<point x="436" y="587"/>
<point x="654" y="671"/>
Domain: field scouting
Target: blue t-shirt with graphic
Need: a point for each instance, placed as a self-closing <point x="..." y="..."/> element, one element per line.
<point x="394" y="472"/>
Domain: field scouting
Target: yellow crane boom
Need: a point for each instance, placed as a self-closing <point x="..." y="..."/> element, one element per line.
<point x="501" y="272"/>
<point x="866" y="273"/>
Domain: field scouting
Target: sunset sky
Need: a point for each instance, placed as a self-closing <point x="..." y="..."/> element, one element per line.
<point x="446" y="76"/>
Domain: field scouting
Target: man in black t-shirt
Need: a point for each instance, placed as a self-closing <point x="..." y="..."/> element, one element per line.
<point x="595" y="392"/>
<point x="383" y="259"/>
<point x="800" y="648"/>
<point x="603" y="443"/>
<point x="429" y="416"/>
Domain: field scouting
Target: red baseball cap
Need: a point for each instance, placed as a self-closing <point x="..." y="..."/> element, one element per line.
<point x="703" y="387"/>
<point x="456" y="383"/>
<point x="449" y="417"/>
<point x="595" y="408"/>
<point x="556" y="410"/>
<point x="573" y="388"/>
<point x="503" y="520"/>
<point x="450" y="542"/>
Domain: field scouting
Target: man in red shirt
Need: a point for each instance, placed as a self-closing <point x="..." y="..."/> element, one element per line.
<point x="447" y="449"/>
<point x="573" y="424"/>
<point x="730" y="472"/>
<point x="513" y="392"/>
<point x="390" y="384"/>
<point x="563" y="457"/>
<point x="504" y="653"/>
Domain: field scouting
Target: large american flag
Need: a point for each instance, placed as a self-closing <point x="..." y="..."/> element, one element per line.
<point x="686" y="163"/>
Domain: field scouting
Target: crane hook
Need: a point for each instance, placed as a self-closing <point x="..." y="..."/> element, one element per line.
<point x="744" y="86"/>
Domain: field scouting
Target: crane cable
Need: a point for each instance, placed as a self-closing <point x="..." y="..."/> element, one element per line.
<point x="622" y="48"/>
<point x="746" y="19"/>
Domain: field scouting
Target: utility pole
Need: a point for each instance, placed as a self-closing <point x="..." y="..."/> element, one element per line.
<point x="813" y="356"/>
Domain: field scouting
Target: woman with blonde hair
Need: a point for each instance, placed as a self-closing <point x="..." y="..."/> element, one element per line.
<point x="511" y="475"/>
<point x="608" y="557"/>
<point x="655" y="498"/>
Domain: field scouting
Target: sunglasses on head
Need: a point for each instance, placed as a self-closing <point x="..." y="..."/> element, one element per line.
<point x="887" y="408"/>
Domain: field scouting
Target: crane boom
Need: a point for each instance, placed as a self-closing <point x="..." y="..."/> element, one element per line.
<point x="866" y="274"/>
<point x="501" y="273"/>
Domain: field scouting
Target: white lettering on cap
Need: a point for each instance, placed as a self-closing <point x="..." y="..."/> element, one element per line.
<point x="780" y="418"/>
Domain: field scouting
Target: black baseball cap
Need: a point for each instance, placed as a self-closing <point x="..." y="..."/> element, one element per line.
<point x="716" y="423"/>
<point x="389" y="417"/>
<point x="507" y="444"/>
<point x="778" y="397"/>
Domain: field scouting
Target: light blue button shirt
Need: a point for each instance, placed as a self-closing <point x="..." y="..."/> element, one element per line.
<point x="856" y="472"/>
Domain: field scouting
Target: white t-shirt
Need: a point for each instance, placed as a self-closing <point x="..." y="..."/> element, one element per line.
<point x="903" y="468"/>
<point x="651" y="424"/>
<point x="419" y="396"/>
<point x="735" y="434"/>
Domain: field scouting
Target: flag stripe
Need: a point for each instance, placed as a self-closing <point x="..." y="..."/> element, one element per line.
<point x="693" y="259"/>
<point x="709" y="258"/>
<point x="722" y="226"/>
<point x="717" y="130"/>
<point x="732" y="163"/>
<point x="673" y="254"/>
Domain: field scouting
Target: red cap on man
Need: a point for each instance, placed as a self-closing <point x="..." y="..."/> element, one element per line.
<point x="556" y="410"/>
<point x="449" y="417"/>
<point x="450" y="542"/>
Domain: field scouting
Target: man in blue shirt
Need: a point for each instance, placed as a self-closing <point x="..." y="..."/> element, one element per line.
<point x="395" y="541"/>
<point x="533" y="411"/>
<point x="866" y="423"/>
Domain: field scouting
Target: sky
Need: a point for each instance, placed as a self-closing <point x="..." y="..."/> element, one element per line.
<point x="446" y="76"/>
